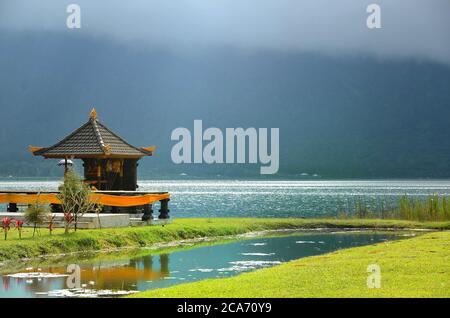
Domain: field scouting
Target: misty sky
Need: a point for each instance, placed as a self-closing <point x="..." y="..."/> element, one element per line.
<point x="411" y="28"/>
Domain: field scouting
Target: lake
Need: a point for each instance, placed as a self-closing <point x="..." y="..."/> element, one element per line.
<point x="153" y="269"/>
<point x="237" y="198"/>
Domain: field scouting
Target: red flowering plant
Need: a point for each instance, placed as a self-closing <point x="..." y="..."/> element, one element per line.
<point x="6" y="224"/>
<point x="19" y="225"/>
<point x="51" y="219"/>
<point x="68" y="219"/>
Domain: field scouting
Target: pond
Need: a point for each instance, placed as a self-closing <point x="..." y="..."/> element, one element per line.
<point x="158" y="269"/>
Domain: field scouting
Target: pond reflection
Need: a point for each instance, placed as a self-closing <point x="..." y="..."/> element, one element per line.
<point x="116" y="275"/>
<point x="135" y="273"/>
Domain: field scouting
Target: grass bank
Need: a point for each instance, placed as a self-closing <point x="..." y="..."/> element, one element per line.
<point x="416" y="267"/>
<point x="181" y="229"/>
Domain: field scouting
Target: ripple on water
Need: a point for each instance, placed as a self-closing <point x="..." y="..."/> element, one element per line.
<point x="31" y="275"/>
<point x="257" y="254"/>
<point x="86" y="293"/>
<point x="202" y="270"/>
<point x="241" y="266"/>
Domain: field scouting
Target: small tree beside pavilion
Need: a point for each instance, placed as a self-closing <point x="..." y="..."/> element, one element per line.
<point x="75" y="197"/>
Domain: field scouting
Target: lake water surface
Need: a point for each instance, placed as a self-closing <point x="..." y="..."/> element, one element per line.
<point x="157" y="270"/>
<point x="232" y="198"/>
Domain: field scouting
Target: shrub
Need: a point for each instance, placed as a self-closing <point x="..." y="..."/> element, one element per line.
<point x="35" y="214"/>
<point x="75" y="197"/>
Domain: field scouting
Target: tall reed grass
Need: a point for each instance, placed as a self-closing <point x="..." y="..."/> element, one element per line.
<point x="431" y="208"/>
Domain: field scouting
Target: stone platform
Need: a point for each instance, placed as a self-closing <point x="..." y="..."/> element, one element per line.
<point x="94" y="221"/>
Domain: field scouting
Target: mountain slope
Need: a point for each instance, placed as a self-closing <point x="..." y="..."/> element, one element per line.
<point x="339" y="117"/>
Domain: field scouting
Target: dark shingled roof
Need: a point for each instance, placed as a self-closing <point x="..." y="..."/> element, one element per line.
<point x="91" y="140"/>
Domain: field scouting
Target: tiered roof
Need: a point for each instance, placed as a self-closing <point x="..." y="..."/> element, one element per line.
<point x="92" y="140"/>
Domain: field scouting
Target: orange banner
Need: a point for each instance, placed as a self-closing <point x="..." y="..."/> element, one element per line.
<point x="104" y="199"/>
<point x="129" y="200"/>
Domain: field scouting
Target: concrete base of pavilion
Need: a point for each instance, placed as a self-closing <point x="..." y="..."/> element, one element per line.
<point x="94" y="221"/>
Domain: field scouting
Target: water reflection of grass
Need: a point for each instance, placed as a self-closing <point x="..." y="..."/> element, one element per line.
<point x="120" y="254"/>
<point x="83" y="258"/>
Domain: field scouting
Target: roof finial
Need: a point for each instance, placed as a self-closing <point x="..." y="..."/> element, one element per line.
<point x="107" y="149"/>
<point x="93" y="114"/>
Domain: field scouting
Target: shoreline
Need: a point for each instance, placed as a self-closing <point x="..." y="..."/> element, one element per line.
<point x="183" y="230"/>
<point x="213" y="239"/>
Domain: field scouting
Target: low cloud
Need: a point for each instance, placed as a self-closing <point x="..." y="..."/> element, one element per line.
<point x="410" y="28"/>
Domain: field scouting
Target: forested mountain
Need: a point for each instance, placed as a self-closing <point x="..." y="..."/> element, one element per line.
<point x="339" y="116"/>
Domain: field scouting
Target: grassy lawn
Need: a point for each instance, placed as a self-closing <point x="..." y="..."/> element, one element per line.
<point x="415" y="267"/>
<point x="101" y="239"/>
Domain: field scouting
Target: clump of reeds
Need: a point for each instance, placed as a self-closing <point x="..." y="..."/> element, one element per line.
<point x="432" y="208"/>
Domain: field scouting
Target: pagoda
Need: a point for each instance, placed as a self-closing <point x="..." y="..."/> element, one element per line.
<point x="110" y="163"/>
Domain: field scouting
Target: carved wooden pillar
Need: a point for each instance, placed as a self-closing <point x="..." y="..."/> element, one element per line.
<point x="164" y="210"/>
<point x="147" y="213"/>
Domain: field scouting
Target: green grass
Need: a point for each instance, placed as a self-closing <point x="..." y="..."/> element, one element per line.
<point x="416" y="267"/>
<point x="103" y="239"/>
